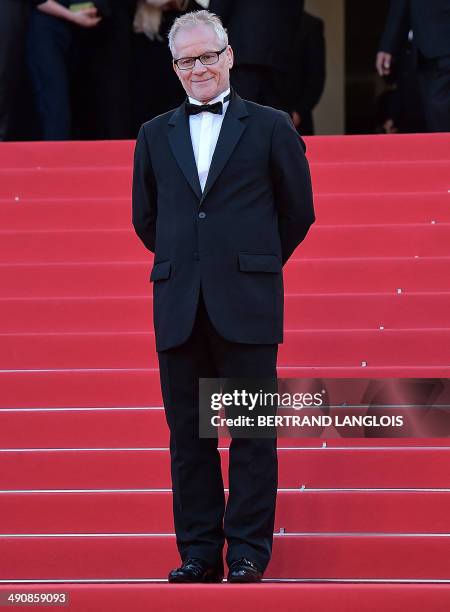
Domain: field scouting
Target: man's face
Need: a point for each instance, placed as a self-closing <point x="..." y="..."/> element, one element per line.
<point x="202" y="82"/>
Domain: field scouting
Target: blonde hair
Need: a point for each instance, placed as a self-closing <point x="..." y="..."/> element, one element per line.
<point x="195" y="18"/>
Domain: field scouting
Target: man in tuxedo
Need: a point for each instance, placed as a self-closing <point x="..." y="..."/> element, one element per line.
<point x="430" y="24"/>
<point x="222" y="196"/>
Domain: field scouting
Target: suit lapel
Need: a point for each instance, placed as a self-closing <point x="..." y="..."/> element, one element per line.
<point x="230" y="133"/>
<point x="181" y="145"/>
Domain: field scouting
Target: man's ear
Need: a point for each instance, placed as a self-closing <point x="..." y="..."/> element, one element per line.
<point x="175" y="68"/>
<point x="231" y="56"/>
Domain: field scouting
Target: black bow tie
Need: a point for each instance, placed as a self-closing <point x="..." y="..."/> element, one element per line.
<point x="195" y="109"/>
<point x="216" y="108"/>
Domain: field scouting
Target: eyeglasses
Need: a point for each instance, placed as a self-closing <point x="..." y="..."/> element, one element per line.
<point x="207" y="59"/>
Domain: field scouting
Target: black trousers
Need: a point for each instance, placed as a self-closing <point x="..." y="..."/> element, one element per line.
<point x="49" y="45"/>
<point x="102" y="100"/>
<point x="13" y="23"/>
<point x="202" y="522"/>
<point x="81" y="76"/>
<point x="434" y="79"/>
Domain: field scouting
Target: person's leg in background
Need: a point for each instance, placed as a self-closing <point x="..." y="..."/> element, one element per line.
<point x="12" y="38"/>
<point x="434" y="78"/>
<point x="107" y="57"/>
<point x="48" y="50"/>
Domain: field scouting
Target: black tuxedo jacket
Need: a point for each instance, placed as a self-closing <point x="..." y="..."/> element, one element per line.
<point x="429" y="20"/>
<point x="261" y="32"/>
<point x="232" y="239"/>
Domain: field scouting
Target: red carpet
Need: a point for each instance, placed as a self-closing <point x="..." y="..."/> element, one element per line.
<point x="290" y="598"/>
<point x="84" y="473"/>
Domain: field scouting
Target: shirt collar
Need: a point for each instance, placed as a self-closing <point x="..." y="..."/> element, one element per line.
<point x="219" y="98"/>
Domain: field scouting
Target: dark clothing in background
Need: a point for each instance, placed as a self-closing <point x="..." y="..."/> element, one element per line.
<point x="261" y="32"/>
<point x="401" y="102"/>
<point x="49" y="46"/>
<point x="13" y="27"/>
<point x="308" y="70"/>
<point x="81" y="77"/>
<point x="155" y="86"/>
<point x="262" y="35"/>
<point x="434" y="79"/>
<point x="430" y="23"/>
<point x="102" y="78"/>
<point x="261" y="84"/>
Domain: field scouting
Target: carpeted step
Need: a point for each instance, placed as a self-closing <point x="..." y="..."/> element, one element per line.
<point x="139" y="427"/>
<point x="97" y="153"/>
<point x="115" y="213"/>
<point x="314" y="311"/>
<point x="380" y="147"/>
<point x="146" y="427"/>
<point x="141" y="387"/>
<point x="328" y="177"/>
<point x="333" y="347"/>
<point x="320" y="597"/>
<point x="386" y="208"/>
<point x="68" y="214"/>
<point x="398" y="467"/>
<point x="294" y="556"/>
<point x="361" y="275"/>
<point x="72" y="246"/>
<point x="368" y="511"/>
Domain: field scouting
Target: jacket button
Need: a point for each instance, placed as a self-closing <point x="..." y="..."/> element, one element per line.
<point x="201" y="215"/>
<point x="196" y="256"/>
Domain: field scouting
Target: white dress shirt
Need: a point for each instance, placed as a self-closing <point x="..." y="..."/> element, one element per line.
<point x="205" y="130"/>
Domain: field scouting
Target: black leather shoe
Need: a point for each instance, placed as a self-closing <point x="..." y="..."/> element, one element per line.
<point x="196" y="570"/>
<point x="244" y="570"/>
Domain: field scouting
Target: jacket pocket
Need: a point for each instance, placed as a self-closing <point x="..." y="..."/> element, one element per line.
<point x="259" y="262"/>
<point x="160" y="271"/>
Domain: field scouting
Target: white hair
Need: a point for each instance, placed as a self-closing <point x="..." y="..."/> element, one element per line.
<point x="196" y="18"/>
